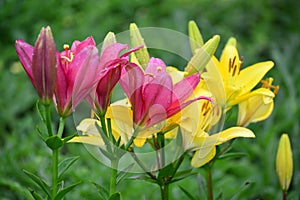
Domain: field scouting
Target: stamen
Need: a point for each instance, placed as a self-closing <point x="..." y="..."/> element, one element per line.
<point x="268" y="84"/>
<point x="151" y="75"/>
<point x="159" y="69"/>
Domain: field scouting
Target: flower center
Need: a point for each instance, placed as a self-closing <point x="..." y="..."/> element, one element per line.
<point x="205" y="108"/>
<point x="69" y="55"/>
<point x="267" y="83"/>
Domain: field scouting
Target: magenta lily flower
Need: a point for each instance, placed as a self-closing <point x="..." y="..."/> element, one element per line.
<point x="152" y="94"/>
<point x="39" y="63"/>
<point x="76" y="75"/>
<point x="111" y="65"/>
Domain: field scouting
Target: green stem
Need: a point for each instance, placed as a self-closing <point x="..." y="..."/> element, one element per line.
<point x="209" y="182"/>
<point x="164" y="190"/>
<point x="48" y="120"/>
<point x="103" y="124"/>
<point x="129" y="143"/>
<point x="61" y="127"/>
<point x="54" y="171"/>
<point x="284" y="194"/>
<point x="113" y="177"/>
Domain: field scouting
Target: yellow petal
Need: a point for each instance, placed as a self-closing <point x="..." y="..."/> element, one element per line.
<point x="203" y="156"/>
<point x="175" y="74"/>
<point x="87" y="127"/>
<point x="229" y="55"/>
<point x="214" y="81"/>
<point x="92" y="140"/>
<point x="284" y="162"/>
<point x="254" y="109"/>
<point x="231" y="133"/>
<point x="252" y="75"/>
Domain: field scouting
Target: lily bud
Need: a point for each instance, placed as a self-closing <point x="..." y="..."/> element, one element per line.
<point x="202" y="56"/>
<point x="196" y="40"/>
<point x="137" y="40"/>
<point x="284" y="162"/>
<point x="44" y="65"/>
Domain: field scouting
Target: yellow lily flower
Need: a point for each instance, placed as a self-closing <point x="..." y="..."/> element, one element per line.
<point x="195" y="127"/>
<point x="226" y="79"/>
<point x="259" y="105"/>
<point x="284" y="162"/>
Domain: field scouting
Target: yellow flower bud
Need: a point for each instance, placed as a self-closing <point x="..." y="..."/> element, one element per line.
<point x="284" y="162"/>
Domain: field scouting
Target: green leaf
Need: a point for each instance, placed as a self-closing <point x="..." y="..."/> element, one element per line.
<point x="137" y="40"/>
<point x="66" y="139"/>
<point x="182" y="175"/>
<point x="40" y="182"/>
<point x="115" y="196"/>
<point x="35" y="195"/>
<point x="64" y="191"/>
<point x="15" y="187"/>
<point x="143" y="178"/>
<point x="64" y="165"/>
<point x="101" y="190"/>
<point x="202" y="56"/>
<point x="196" y="40"/>
<point x="123" y="173"/>
<point x="232" y="155"/>
<point x="189" y="195"/>
<point x="165" y="172"/>
<point x="54" y="142"/>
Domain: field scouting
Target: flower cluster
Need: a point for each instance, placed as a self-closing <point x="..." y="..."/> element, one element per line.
<point x="162" y="103"/>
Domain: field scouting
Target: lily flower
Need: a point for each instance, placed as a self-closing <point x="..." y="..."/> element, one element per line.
<point x="152" y="94"/>
<point x="77" y="74"/>
<point x="228" y="81"/>
<point x="39" y="63"/>
<point x="259" y="105"/>
<point x="110" y="66"/>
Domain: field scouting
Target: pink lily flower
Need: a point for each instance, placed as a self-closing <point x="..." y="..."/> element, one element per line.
<point x="76" y="75"/>
<point x="152" y="94"/>
<point x="110" y="66"/>
<point x="39" y="63"/>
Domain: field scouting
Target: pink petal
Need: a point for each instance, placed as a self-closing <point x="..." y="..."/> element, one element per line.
<point x="110" y="53"/>
<point x="183" y="89"/>
<point x="85" y="72"/>
<point x="132" y="80"/>
<point x="25" y="53"/>
<point x="77" y="46"/>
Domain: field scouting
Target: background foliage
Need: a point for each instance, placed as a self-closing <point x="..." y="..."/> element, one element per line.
<point x="264" y="30"/>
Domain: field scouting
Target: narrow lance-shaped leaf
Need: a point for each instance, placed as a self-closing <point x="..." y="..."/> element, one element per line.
<point x="64" y="165"/>
<point x="202" y="56"/>
<point x="64" y="191"/>
<point x="115" y="196"/>
<point x="101" y="190"/>
<point x="196" y="40"/>
<point x="44" y="186"/>
<point x="137" y="40"/>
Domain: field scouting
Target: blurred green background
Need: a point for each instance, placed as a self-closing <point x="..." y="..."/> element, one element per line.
<point x="265" y="30"/>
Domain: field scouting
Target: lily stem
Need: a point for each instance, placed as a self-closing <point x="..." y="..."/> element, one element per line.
<point x="54" y="171"/>
<point x="61" y="127"/>
<point x="48" y="119"/>
<point x="164" y="189"/>
<point x="113" y="177"/>
<point x="209" y="182"/>
<point x="284" y="194"/>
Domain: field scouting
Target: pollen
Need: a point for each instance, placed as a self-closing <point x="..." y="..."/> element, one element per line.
<point x="268" y="84"/>
<point x="159" y="69"/>
<point x="69" y="55"/>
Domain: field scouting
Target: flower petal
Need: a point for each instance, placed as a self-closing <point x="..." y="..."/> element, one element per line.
<point x="25" y="53"/>
<point x="203" y="156"/>
<point x="252" y="75"/>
